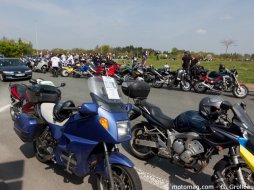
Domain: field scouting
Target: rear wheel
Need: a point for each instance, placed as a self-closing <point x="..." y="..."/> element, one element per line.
<point x="240" y="91"/>
<point x="44" y="69"/>
<point x="140" y="151"/>
<point x="185" y="85"/>
<point x="65" y="73"/>
<point x="124" y="178"/>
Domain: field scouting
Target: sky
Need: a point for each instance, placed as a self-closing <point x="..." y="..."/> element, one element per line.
<point x="194" y="25"/>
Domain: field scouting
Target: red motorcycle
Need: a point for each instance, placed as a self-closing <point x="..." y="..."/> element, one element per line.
<point x="226" y="81"/>
<point x="111" y="70"/>
<point x="24" y="98"/>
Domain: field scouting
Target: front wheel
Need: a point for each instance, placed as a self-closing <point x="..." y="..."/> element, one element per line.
<point x="123" y="178"/>
<point x="157" y="83"/>
<point x="229" y="173"/>
<point x="199" y="87"/>
<point x="185" y="86"/>
<point x="240" y="91"/>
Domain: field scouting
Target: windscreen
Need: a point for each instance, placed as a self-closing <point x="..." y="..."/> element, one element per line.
<point x="10" y="62"/>
<point x="106" y="93"/>
<point x="244" y="117"/>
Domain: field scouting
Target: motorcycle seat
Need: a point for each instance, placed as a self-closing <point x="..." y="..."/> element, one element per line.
<point x="47" y="114"/>
<point x="157" y="114"/>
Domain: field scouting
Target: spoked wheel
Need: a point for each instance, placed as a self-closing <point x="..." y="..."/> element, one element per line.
<point x="65" y="73"/>
<point x="229" y="173"/>
<point x="185" y="86"/>
<point x="140" y="151"/>
<point x="124" y="178"/>
<point x="157" y="83"/>
<point x="240" y="91"/>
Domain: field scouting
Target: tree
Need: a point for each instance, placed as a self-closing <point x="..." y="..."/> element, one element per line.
<point x="228" y="43"/>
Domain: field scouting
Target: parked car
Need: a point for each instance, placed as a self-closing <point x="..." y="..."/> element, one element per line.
<point x="11" y="68"/>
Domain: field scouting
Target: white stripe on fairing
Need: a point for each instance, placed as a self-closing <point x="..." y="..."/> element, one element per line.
<point x="4" y="107"/>
<point x="153" y="180"/>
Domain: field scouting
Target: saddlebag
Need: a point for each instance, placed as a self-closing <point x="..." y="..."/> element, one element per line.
<point x="43" y="93"/>
<point x="27" y="127"/>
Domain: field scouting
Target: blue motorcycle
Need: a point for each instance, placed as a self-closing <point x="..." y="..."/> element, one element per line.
<point x="84" y="139"/>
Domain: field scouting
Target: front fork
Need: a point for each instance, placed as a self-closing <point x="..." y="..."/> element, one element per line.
<point x="235" y="161"/>
<point x="108" y="166"/>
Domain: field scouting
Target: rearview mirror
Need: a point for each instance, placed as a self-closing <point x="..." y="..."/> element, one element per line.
<point x="225" y="105"/>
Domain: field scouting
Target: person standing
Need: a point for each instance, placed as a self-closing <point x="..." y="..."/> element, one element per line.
<point x="186" y="61"/>
<point x="144" y="58"/>
<point x="55" y="65"/>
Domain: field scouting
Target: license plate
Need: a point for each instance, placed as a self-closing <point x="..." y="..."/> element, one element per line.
<point x="20" y="74"/>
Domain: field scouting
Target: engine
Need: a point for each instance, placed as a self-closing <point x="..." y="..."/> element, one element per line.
<point x="185" y="150"/>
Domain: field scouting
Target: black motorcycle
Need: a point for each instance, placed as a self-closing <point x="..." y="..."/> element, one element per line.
<point x="180" y="78"/>
<point x="192" y="138"/>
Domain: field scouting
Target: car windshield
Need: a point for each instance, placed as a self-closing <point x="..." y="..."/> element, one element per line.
<point x="106" y="93"/>
<point x="10" y="62"/>
<point x="244" y="118"/>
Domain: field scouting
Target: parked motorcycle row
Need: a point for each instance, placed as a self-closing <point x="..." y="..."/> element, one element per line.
<point x="197" y="78"/>
<point x="84" y="138"/>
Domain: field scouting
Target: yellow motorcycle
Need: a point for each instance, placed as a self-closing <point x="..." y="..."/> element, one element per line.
<point x="235" y="170"/>
<point x="67" y="70"/>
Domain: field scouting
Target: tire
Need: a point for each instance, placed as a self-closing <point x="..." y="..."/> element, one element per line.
<point x="44" y="69"/>
<point x="123" y="177"/>
<point x="155" y="83"/>
<point x="2" y="77"/>
<point x="38" y="153"/>
<point x="136" y="149"/>
<point x="228" y="172"/>
<point x="65" y="73"/>
<point x="199" y="88"/>
<point x="240" y="92"/>
<point x="186" y="86"/>
<point x="171" y="81"/>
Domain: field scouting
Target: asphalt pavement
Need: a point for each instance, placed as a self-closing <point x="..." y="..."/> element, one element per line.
<point x="19" y="169"/>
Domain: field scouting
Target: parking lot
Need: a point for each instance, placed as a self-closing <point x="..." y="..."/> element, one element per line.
<point x="19" y="169"/>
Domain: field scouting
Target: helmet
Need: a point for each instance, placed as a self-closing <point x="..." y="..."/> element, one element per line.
<point x="166" y="66"/>
<point x="222" y="68"/>
<point x="209" y="106"/>
<point x="60" y="114"/>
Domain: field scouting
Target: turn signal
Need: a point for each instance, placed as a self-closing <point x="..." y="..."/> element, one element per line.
<point x="104" y="122"/>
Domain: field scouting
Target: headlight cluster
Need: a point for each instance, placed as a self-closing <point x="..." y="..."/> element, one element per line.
<point x="123" y="128"/>
<point x="8" y="72"/>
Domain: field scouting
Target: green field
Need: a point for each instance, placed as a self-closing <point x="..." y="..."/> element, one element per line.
<point x="245" y="69"/>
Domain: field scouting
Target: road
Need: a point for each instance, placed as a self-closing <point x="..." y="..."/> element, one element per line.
<point x="19" y="169"/>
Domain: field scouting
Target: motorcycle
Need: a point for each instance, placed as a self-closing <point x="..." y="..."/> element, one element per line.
<point x="20" y="100"/>
<point x="67" y="70"/>
<point x="161" y="77"/>
<point x="83" y="71"/>
<point x="41" y="65"/>
<point x="179" y="77"/>
<point x="84" y="139"/>
<point x="232" y="171"/>
<point x="189" y="140"/>
<point x="222" y="82"/>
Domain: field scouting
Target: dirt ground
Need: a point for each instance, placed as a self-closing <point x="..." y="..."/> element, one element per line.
<point x="250" y="86"/>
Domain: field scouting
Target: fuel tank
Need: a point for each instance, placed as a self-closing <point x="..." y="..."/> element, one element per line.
<point x="191" y="121"/>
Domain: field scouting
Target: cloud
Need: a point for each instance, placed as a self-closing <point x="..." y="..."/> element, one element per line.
<point x="201" y="31"/>
<point x="226" y="17"/>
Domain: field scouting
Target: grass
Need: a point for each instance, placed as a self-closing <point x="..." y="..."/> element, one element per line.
<point x="245" y="69"/>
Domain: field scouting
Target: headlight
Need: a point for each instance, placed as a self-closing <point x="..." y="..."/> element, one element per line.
<point x="8" y="72"/>
<point x="28" y="71"/>
<point x="123" y="128"/>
